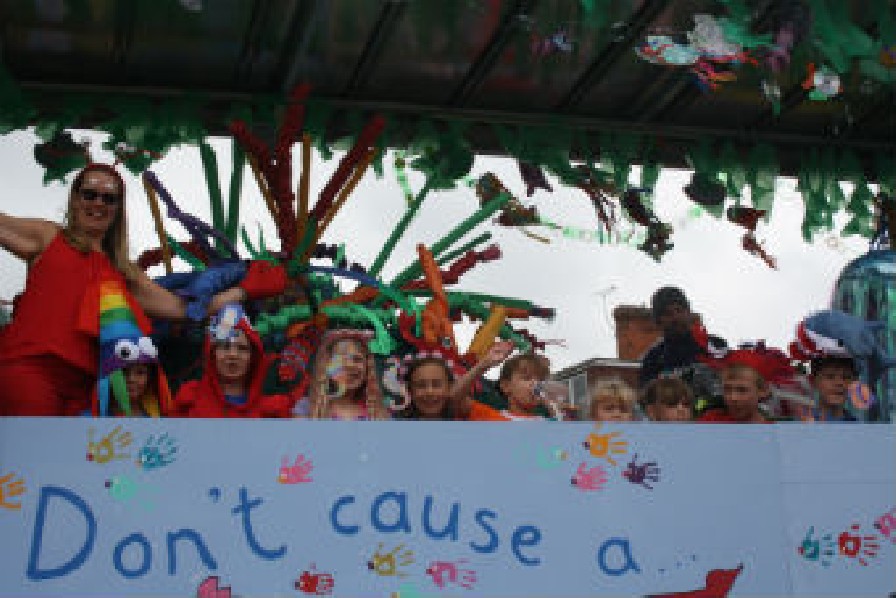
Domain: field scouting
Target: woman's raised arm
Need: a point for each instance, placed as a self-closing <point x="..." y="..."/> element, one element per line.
<point x="25" y="238"/>
<point x="159" y="302"/>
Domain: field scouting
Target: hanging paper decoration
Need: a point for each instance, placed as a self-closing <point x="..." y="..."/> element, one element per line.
<point x="707" y="50"/>
<point x="772" y="93"/>
<point x="548" y="45"/>
<point x="61" y="155"/>
<point x="534" y="177"/>
<point x="822" y="83"/>
<point x="791" y="23"/>
<point x="597" y="185"/>
<point x="514" y="214"/>
<point x="657" y="242"/>
<point x="705" y="191"/>
<point x="748" y="218"/>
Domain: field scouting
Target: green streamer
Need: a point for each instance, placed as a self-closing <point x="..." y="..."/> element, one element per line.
<point x="451" y="255"/>
<point x="456" y="233"/>
<point x="236" y="188"/>
<point x="120" y="391"/>
<point x="399" y="230"/>
<point x="185" y="255"/>
<point x="253" y="253"/>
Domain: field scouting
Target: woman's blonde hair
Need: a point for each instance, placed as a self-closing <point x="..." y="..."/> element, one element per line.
<point x="115" y="241"/>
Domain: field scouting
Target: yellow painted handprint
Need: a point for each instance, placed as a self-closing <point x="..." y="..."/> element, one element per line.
<point x="107" y="449"/>
<point x="387" y="563"/>
<point x="10" y="488"/>
<point x="605" y="446"/>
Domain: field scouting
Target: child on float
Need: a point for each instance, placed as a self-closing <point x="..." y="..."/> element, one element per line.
<point x="435" y="391"/>
<point x="523" y="382"/>
<point x="668" y="400"/>
<point x="234" y="369"/>
<point x="147" y="390"/>
<point x="747" y="374"/>
<point x="612" y="400"/>
<point x="344" y="383"/>
<point x="832" y="371"/>
<point x="830" y="378"/>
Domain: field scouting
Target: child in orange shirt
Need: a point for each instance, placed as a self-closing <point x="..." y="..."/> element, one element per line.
<point x="433" y="393"/>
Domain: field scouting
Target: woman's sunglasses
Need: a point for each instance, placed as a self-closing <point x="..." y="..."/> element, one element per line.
<point x="92" y="195"/>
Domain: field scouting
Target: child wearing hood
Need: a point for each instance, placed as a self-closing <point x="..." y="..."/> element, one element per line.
<point x="234" y="368"/>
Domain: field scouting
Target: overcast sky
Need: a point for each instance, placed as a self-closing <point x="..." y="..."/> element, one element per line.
<point x="739" y="296"/>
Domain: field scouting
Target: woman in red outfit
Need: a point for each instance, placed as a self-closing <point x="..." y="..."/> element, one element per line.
<point x="231" y="385"/>
<point x="49" y="353"/>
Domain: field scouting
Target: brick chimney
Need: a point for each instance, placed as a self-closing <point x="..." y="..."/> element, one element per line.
<point x="635" y="331"/>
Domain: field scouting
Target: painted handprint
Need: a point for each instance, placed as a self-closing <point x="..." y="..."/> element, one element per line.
<point x="857" y="546"/>
<point x="314" y="583"/>
<point x="821" y="549"/>
<point x="209" y="589"/>
<point x="388" y="563"/>
<point x="641" y="473"/>
<point x="10" y="488"/>
<point x="550" y="457"/>
<point x="109" y="447"/>
<point x="125" y="490"/>
<point x="604" y="446"/>
<point x="590" y="478"/>
<point x="448" y="572"/>
<point x="297" y="473"/>
<point x="157" y="452"/>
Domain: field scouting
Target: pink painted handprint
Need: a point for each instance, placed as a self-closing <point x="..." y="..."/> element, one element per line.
<point x="297" y="473"/>
<point x="447" y="572"/>
<point x="590" y="478"/>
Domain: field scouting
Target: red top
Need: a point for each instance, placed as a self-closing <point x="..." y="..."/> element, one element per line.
<point x="48" y="315"/>
<point x="204" y="397"/>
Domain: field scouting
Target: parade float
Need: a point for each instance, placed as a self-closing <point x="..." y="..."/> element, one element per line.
<point x="738" y="92"/>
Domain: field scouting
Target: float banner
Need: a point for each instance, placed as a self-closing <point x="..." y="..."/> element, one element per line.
<point x="221" y="508"/>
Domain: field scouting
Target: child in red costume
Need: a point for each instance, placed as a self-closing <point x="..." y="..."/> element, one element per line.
<point x="746" y="375"/>
<point x="233" y="374"/>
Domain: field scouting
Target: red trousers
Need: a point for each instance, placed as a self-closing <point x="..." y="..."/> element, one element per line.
<point x="44" y="385"/>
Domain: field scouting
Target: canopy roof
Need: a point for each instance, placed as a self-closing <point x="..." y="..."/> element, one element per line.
<point x="486" y="62"/>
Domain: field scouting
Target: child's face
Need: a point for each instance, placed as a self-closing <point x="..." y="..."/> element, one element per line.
<point x="610" y="409"/>
<point x="832" y="382"/>
<point x="671" y="409"/>
<point x="352" y="364"/>
<point x="233" y="357"/>
<point x="136" y="379"/>
<point x="519" y="388"/>
<point x="742" y="389"/>
<point x="429" y="387"/>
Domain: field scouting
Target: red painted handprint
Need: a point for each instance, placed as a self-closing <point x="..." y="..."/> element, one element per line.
<point x="297" y="473"/>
